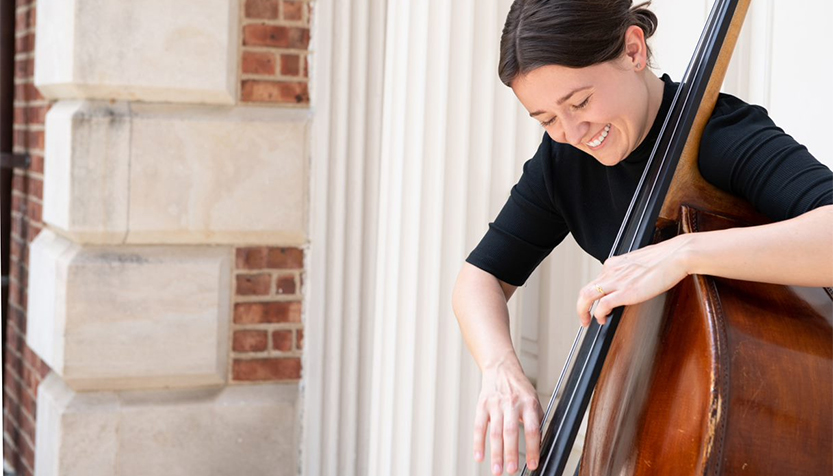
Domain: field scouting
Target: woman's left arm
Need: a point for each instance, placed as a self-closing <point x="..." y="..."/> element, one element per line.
<point x="798" y="251"/>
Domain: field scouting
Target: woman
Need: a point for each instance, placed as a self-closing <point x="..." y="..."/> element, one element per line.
<point x="601" y="108"/>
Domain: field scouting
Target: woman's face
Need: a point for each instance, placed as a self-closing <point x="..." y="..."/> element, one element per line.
<point x="605" y="110"/>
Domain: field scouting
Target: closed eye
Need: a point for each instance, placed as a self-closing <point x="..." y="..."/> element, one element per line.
<point x="583" y="103"/>
<point x="548" y="123"/>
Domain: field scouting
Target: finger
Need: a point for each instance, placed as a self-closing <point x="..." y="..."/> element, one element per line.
<point x="586" y="297"/>
<point x="481" y="421"/>
<point x="496" y="438"/>
<point x="510" y="439"/>
<point x="606" y="306"/>
<point x="532" y="435"/>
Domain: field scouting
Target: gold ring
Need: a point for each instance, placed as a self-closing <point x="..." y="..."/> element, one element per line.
<point x="599" y="288"/>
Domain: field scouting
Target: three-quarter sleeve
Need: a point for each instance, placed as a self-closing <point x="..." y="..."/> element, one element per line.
<point x="527" y="228"/>
<point x="744" y="153"/>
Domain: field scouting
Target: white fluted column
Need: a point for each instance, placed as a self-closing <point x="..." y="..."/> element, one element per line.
<point x="347" y="61"/>
<point x="454" y="139"/>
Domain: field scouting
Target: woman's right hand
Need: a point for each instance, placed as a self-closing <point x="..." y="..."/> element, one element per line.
<point x="507" y="398"/>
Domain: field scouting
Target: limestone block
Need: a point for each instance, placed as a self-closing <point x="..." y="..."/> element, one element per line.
<point x="138" y="50"/>
<point x="218" y="175"/>
<point x="107" y="317"/>
<point x="86" y="170"/>
<point x="157" y="174"/>
<point x="238" y="430"/>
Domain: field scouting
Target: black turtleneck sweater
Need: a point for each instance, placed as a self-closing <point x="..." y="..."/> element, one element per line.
<point x="564" y="190"/>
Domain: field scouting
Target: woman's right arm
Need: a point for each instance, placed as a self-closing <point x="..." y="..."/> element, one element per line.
<point x="506" y="397"/>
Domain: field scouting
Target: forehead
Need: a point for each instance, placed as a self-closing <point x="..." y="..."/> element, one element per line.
<point x="543" y="87"/>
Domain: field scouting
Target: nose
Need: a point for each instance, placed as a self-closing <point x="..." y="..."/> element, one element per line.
<point x="574" y="131"/>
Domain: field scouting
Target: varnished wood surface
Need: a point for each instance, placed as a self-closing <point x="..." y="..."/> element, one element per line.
<point x="716" y="377"/>
<point x="688" y="187"/>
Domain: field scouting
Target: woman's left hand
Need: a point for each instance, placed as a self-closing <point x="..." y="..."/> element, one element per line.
<point x="634" y="277"/>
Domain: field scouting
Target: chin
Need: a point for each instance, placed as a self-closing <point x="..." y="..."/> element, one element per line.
<point x="608" y="161"/>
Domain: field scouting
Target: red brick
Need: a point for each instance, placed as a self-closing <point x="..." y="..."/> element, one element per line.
<point x="257" y="62"/>
<point x="285" y="258"/>
<point x="27" y="427"/>
<point x="20" y="68"/>
<point x="18" y="317"/>
<point x="22" y="43"/>
<point x="254" y="284"/>
<point x="14" y="338"/>
<point x="21" y="115"/>
<point x="299" y="338"/>
<point x="277" y="36"/>
<point x="18" y="253"/>
<point x="19" y="182"/>
<point x="27" y="403"/>
<point x="267" y="369"/>
<point x="37" y="162"/>
<point x="267" y="9"/>
<point x="35" y="140"/>
<point x="36" y="187"/>
<point x="30" y="378"/>
<point x="267" y="312"/>
<point x="20" y="138"/>
<point x="32" y="232"/>
<point x="306" y="66"/>
<point x="8" y="421"/>
<point x="17" y="227"/>
<point x="35" y="211"/>
<point x="43" y="370"/>
<point x="33" y="93"/>
<point x="250" y="258"/>
<point x="11" y="384"/>
<point x="17" y="201"/>
<point x="22" y="21"/>
<point x="249" y="341"/>
<point x="14" y="292"/>
<point x="269" y="91"/>
<point x="30" y="357"/>
<point x="282" y="340"/>
<point x="14" y="362"/>
<point x="28" y="455"/>
<point x="286" y="284"/>
<point x="34" y="115"/>
<point x="290" y="65"/>
<point x="293" y="10"/>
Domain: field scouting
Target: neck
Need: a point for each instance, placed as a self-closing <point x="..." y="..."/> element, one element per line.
<point x="656" y="87"/>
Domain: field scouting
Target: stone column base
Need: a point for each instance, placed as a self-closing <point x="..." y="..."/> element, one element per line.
<point x="240" y="430"/>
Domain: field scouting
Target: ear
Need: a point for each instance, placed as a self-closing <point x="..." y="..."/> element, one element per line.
<point x="635" y="48"/>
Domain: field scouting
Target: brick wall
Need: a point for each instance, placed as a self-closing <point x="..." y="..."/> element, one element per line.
<point x="275" y="41"/>
<point x="24" y="370"/>
<point x="267" y="335"/>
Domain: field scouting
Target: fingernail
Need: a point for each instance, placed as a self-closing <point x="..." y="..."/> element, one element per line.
<point x="533" y="464"/>
<point x="478" y="455"/>
<point x="511" y="467"/>
<point x="496" y="469"/>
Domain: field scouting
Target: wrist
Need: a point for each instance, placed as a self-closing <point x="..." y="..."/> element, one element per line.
<point x="505" y="359"/>
<point x="690" y="253"/>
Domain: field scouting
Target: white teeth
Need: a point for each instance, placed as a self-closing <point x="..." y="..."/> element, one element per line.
<point x="602" y="136"/>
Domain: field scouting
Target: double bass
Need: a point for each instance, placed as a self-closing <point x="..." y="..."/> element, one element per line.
<point x="715" y="376"/>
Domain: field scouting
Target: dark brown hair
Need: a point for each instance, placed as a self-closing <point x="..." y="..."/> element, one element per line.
<point x="572" y="33"/>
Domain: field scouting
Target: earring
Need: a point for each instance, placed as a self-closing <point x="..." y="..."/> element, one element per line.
<point x="638" y="65"/>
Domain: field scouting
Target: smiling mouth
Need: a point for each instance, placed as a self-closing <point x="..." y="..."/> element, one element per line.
<point x="600" y="138"/>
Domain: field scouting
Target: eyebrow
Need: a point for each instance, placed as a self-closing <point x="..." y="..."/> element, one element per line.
<point x="561" y="101"/>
